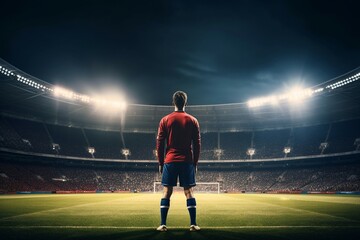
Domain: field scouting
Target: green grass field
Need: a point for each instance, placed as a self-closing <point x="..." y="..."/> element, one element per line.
<point x="221" y="216"/>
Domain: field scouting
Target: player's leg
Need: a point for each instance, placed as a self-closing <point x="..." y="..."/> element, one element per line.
<point x="168" y="181"/>
<point x="187" y="180"/>
<point x="165" y="203"/>
<point x="167" y="192"/>
<point x="191" y="205"/>
<point x="189" y="193"/>
<point x="164" y="207"/>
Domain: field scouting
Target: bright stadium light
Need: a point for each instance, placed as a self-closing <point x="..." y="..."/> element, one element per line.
<point x="91" y="150"/>
<point x="85" y="99"/>
<point x="318" y="90"/>
<point x="218" y="152"/>
<point x="295" y="95"/>
<point x="123" y="105"/>
<point x="257" y="102"/>
<point x="56" y="147"/>
<point x="250" y="152"/>
<point x="111" y="105"/>
<point x="126" y="152"/>
<point x="114" y="102"/>
<point x="343" y="82"/>
<point x="274" y="100"/>
<point x="287" y="150"/>
<point x="62" y="92"/>
<point x="99" y="101"/>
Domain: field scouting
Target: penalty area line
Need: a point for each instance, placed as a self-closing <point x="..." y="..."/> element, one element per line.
<point x="175" y="227"/>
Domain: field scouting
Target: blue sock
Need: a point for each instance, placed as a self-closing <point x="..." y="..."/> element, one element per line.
<point x="164" y="208"/>
<point x="191" y="205"/>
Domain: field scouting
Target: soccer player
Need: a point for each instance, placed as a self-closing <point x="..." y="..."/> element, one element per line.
<point x="181" y="133"/>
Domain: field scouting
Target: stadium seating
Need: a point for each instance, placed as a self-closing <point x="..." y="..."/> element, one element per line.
<point x="235" y="145"/>
<point x="343" y="135"/>
<point x="34" y="132"/>
<point x="59" y="177"/>
<point x="31" y="136"/>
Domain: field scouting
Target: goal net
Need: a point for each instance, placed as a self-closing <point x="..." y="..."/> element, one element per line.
<point x="205" y="187"/>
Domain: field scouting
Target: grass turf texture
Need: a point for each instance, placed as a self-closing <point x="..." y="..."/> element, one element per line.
<point x="221" y="216"/>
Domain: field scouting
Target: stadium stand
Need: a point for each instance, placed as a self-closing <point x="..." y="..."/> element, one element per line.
<point x="271" y="143"/>
<point x="208" y="144"/>
<point x="141" y="145"/>
<point x="343" y="135"/>
<point x="34" y="132"/>
<point x="306" y="140"/>
<point x="46" y="133"/>
<point x="11" y="139"/>
<point x="17" y="176"/>
<point x="235" y="145"/>
<point x="27" y="135"/>
<point x="107" y="144"/>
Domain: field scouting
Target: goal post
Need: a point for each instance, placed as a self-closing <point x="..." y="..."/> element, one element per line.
<point x="208" y="187"/>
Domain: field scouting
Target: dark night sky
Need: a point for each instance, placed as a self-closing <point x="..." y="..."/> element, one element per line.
<point x="216" y="51"/>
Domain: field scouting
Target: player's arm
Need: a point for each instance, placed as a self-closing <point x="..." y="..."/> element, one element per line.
<point x="160" y="144"/>
<point x="196" y="143"/>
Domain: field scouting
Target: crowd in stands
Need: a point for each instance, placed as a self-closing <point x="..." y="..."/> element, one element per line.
<point x="39" y="177"/>
<point x="26" y="135"/>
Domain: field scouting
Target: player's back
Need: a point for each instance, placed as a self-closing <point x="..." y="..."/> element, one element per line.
<point x="181" y="129"/>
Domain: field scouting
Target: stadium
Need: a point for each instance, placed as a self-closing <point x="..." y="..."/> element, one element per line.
<point x="255" y="106"/>
<point x="56" y="143"/>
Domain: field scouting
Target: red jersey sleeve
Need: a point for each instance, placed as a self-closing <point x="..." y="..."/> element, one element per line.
<point x="196" y="141"/>
<point x="160" y="142"/>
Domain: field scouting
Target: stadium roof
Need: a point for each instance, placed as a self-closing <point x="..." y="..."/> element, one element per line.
<point x="25" y="96"/>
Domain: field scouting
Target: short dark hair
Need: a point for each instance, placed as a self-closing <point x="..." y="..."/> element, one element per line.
<point x="179" y="99"/>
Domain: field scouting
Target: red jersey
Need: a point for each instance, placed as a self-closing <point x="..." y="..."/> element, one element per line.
<point x="181" y="132"/>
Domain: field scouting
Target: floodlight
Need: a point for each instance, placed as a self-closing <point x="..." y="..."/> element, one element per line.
<point x="85" y="98"/>
<point x="91" y="150"/>
<point x="114" y="105"/>
<point x="257" y="102"/>
<point x="287" y="150"/>
<point x="62" y="92"/>
<point x="126" y="152"/>
<point x="319" y="90"/>
<point x="324" y="145"/>
<point x="218" y="152"/>
<point x="250" y="152"/>
<point x="343" y="82"/>
<point x="55" y="147"/>
<point x="155" y="153"/>
<point x="297" y="94"/>
<point x="123" y="105"/>
<point x="99" y="101"/>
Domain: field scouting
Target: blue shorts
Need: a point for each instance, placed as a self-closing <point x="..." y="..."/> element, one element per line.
<point x="182" y="170"/>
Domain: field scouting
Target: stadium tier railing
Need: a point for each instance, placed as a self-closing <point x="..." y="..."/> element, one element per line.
<point x="320" y="156"/>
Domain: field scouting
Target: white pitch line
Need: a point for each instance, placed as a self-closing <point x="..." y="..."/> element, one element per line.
<point x="302" y="210"/>
<point x="177" y="227"/>
<point x="62" y="208"/>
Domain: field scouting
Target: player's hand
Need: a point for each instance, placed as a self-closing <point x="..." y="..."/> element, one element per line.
<point x="161" y="167"/>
